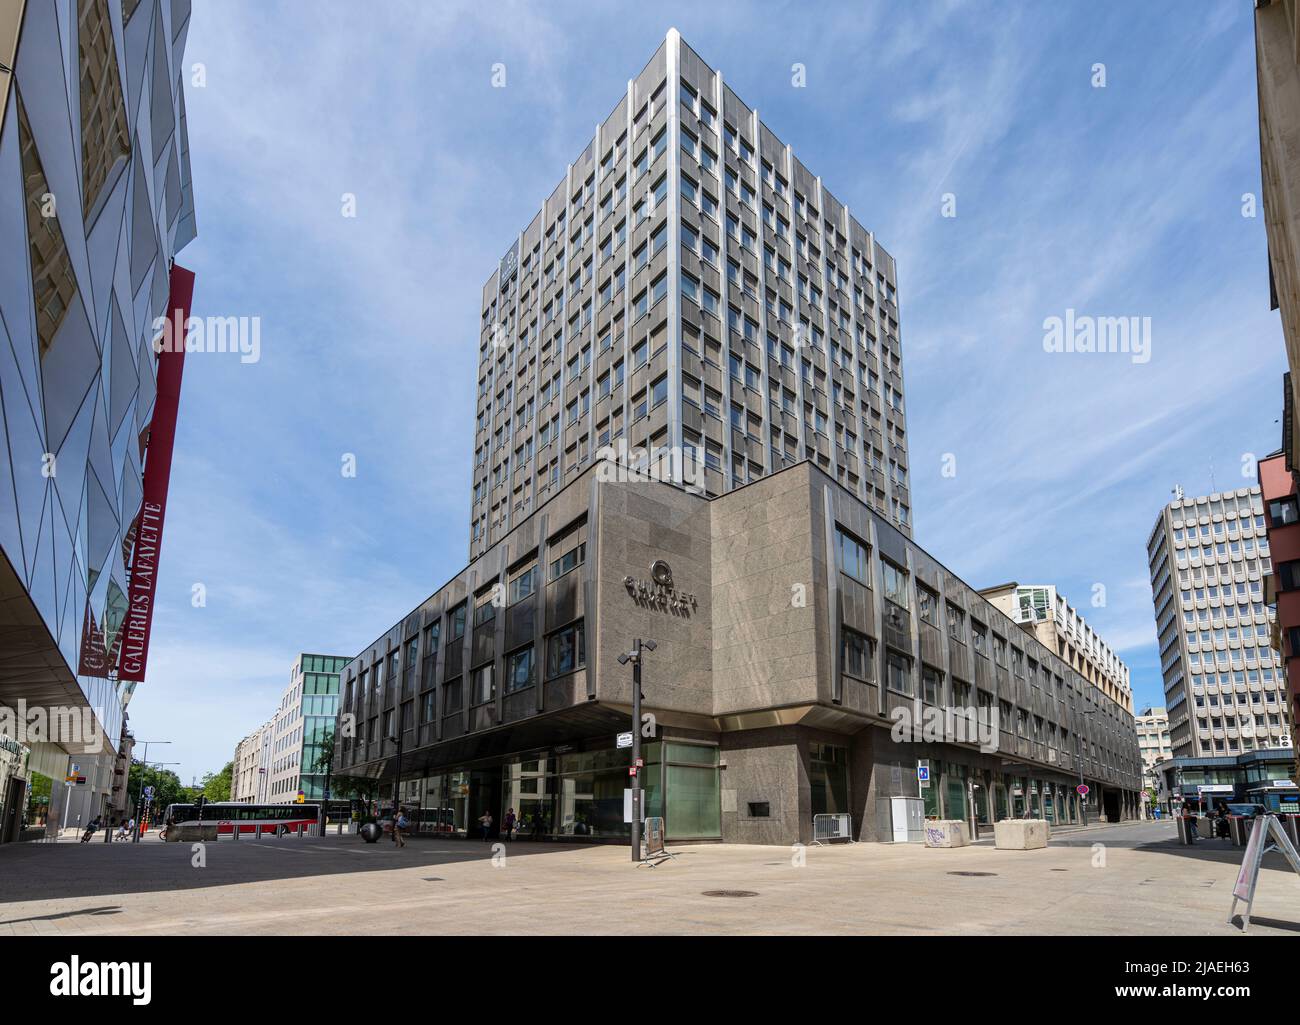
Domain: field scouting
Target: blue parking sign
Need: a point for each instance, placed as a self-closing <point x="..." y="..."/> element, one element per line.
<point x="923" y="773"/>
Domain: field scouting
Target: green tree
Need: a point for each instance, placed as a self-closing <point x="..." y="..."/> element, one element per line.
<point x="215" y="786"/>
<point x="167" y="787"/>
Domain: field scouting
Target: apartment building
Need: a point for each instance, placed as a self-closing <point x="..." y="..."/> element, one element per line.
<point x="97" y="203"/>
<point x="246" y="785"/>
<point x="1154" y="745"/>
<point x="1042" y="610"/>
<point x="690" y="292"/>
<point x="1225" y="685"/>
<point x="291" y="740"/>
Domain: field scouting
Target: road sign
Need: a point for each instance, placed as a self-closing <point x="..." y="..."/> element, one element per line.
<point x="631" y="770"/>
<point x="923" y="773"/>
<point x="302" y="797"/>
<point x="148" y="792"/>
<point x="624" y="740"/>
<point x="1082" y="789"/>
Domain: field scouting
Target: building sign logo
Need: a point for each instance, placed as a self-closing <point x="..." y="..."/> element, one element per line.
<point x="658" y="592"/>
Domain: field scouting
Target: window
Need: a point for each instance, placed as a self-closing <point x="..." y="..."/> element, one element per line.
<point x="458" y="622"/>
<point x="484" y="684"/>
<point x="928" y="602"/>
<point x="931" y="686"/>
<point x="523" y="585"/>
<point x="1288" y="575"/>
<point x="519" y="670"/>
<point x="895" y="583"/>
<point x="898" y="674"/>
<point x="854" y="558"/>
<point x="1283" y="511"/>
<point x="659" y="392"/>
<point x="566" y="650"/>
<point x="855" y="653"/>
<point x="569" y="560"/>
<point x="956" y="624"/>
<point x="485" y="611"/>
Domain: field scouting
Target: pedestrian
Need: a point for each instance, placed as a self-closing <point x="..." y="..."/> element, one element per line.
<point x="485" y="823"/>
<point x="1192" y="832"/>
<point x="509" y="823"/>
<point x="399" y="824"/>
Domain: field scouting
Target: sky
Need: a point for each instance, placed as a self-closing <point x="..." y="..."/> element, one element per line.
<point x="1130" y="198"/>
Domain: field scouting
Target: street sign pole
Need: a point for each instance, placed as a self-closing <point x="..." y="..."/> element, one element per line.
<point x="636" y="751"/>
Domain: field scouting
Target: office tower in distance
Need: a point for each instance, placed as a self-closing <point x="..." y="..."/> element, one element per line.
<point x="1224" y="683"/>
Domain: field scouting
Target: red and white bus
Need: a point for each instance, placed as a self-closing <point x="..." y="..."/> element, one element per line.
<point x="228" y="816"/>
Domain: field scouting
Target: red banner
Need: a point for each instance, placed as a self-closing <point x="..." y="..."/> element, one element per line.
<point x="157" y="475"/>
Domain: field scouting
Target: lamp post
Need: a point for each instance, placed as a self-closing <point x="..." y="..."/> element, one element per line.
<point x="634" y="656"/>
<point x="397" y="778"/>
<point x="1078" y="756"/>
<point x="141" y="803"/>
<point x="144" y="764"/>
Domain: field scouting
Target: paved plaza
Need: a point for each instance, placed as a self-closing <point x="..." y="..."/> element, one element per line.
<point x="1137" y="882"/>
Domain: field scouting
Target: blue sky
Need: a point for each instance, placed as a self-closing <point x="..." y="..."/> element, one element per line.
<point x="1117" y="201"/>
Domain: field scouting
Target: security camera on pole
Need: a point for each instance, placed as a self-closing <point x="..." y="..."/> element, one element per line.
<point x="634" y="656"/>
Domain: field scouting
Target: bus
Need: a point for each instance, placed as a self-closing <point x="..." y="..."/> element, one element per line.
<point x="228" y="816"/>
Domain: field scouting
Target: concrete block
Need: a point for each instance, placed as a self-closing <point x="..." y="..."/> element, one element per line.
<point x="1020" y="834"/>
<point x="946" y="833"/>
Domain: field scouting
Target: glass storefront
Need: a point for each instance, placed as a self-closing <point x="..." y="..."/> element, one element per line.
<point x="579" y="794"/>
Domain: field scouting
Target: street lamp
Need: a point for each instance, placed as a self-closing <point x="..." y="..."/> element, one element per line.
<point x="1078" y="757"/>
<point x="141" y="803"/>
<point x="144" y="762"/>
<point x="397" y="778"/>
<point x="634" y="656"/>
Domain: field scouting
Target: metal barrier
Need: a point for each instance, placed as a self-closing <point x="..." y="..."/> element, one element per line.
<point x="829" y="828"/>
<point x="655" y="853"/>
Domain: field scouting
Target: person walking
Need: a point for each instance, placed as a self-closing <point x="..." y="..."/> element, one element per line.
<point x="399" y="823"/>
<point x="509" y="823"/>
<point x="485" y="823"/>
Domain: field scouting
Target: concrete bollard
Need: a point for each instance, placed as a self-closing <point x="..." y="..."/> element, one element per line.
<point x="946" y="833"/>
<point x="1020" y="834"/>
<point x="257" y="831"/>
<point x="299" y="830"/>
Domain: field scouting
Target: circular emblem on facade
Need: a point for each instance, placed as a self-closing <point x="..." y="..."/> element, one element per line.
<point x="661" y="573"/>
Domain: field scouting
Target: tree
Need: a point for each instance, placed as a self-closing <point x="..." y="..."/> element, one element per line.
<point x="167" y="787"/>
<point x="215" y="786"/>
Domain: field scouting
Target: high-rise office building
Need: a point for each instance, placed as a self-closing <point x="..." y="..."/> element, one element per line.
<point x="1224" y="683"/>
<point x="1042" y="610"/>
<point x="691" y="286"/>
<point x="95" y="203"/>
<point x="690" y="290"/>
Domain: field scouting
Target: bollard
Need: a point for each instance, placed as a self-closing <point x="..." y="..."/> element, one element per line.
<point x="257" y="831"/>
<point x="234" y="830"/>
<point x="299" y="830"/>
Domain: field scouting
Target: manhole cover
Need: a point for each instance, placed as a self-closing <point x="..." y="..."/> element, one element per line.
<point x="972" y="873"/>
<point x="730" y="893"/>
